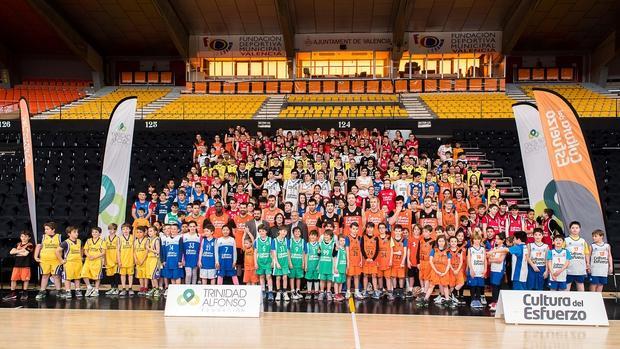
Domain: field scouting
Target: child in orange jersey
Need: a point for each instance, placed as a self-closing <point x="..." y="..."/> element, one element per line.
<point x="355" y="262"/>
<point x="413" y="272"/>
<point x="249" y="270"/>
<point x="440" y="267"/>
<point x="398" y="246"/>
<point x="424" y="254"/>
<point x="383" y="261"/>
<point x="457" y="264"/>
<point x="370" y="251"/>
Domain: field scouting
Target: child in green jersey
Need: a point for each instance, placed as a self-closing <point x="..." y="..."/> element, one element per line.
<point x="297" y="248"/>
<point x="263" y="261"/>
<point x="282" y="263"/>
<point x="340" y="268"/>
<point x="327" y="254"/>
<point x="312" y="265"/>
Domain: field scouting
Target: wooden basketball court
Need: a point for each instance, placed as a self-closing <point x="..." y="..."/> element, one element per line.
<point x="62" y="328"/>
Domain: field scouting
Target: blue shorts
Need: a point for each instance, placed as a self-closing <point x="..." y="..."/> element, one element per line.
<point x="226" y="272"/>
<point x="575" y="278"/>
<point x="519" y="285"/>
<point x="557" y="285"/>
<point x="598" y="280"/>
<point x="475" y="282"/>
<point x="536" y="281"/>
<point x="176" y="273"/>
<point x="496" y="278"/>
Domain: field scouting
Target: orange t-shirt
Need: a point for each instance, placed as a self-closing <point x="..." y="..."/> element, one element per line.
<point x="310" y="219"/>
<point x="412" y="245"/>
<point x="397" y="246"/>
<point x="269" y="215"/>
<point x="405" y="219"/>
<point x="248" y="258"/>
<point x="355" y="250"/>
<point x="369" y="245"/>
<point x="455" y="258"/>
<point x="376" y="218"/>
<point x="347" y="220"/>
<point x="240" y="228"/>
<point x="461" y="207"/>
<point x="425" y="250"/>
<point x="474" y="201"/>
<point x="383" y="258"/>
<point x="199" y="222"/>
<point x="218" y="222"/>
<point x="440" y="259"/>
<point x="448" y="218"/>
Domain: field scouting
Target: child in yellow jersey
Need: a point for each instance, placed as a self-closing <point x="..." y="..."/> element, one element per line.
<point x="111" y="244"/>
<point x="126" y="260"/>
<point x="45" y="255"/>
<point x="139" y="251"/>
<point x="70" y="255"/>
<point x="153" y="262"/>
<point x="93" y="264"/>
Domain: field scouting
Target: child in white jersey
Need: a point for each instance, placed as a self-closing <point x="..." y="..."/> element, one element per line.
<point x="580" y="253"/>
<point x="558" y="261"/>
<point x="537" y="261"/>
<point x="601" y="262"/>
<point x="476" y="269"/>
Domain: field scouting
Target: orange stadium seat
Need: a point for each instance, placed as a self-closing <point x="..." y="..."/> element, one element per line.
<point x="430" y="85"/>
<point x="400" y="86"/>
<point x="139" y="77"/>
<point x="286" y="87"/>
<point x="314" y="87"/>
<point x="475" y="84"/>
<point x="166" y="77"/>
<point x="387" y="86"/>
<point x="524" y="74"/>
<point x="228" y="87"/>
<point x="538" y="74"/>
<point x="258" y="87"/>
<point x="460" y="85"/>
<point x="300" y="87"/>
<point x="490" y="85"/>
<point x="372" y="86"/>
<point x="215" y="87"/>
<point x="271" y="87"/>
<point x="152" y="77"/>
<point x="415" y="85"/>
<point x="445" y="85"/>
<point x="344" y="86"/>
<point x="126" y="77"/>
<point x="201" y="87"/>
<point x="329" y="86"/>
<point x="358" y="86"/>
<point x="567" y="74"/>
<point x="243" y="87"/>
<point x="552" y="73"/>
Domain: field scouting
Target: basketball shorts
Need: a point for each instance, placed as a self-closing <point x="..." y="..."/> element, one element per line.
<point x="50" y="267"/>
<point x="354" y="270"/>
<point x="20" y="274"/>
<point x="575" y="278"/>
<point x="296" y="273"/>
<point x="72" y="270"/>
<point x="111" y="270"/>
<point x="141" y="271"/>
<point x="92" y="271"/>
<point x="598" y="280"/>
<point x="127" y="270"/>
<point x="208" y="274"/>
<point x="176" y="273"/>
<point x="249" y="276"/>
<point x="340" y="278"/>
<point x="557" y="285"/>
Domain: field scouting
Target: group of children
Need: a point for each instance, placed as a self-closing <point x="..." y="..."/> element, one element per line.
<point x="369" y="263"/>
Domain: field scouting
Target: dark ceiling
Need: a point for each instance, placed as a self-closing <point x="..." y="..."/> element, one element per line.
<point x="135" y="28"/>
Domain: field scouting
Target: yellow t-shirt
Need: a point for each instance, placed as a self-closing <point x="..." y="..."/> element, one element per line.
<point x="111" y="250"/>
<point x="126" y="251"/>
<point x="48" y="248"/>
<point x="139" y="247"/>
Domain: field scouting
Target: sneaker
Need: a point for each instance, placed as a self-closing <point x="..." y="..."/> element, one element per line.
<point x="142" y="292"/>
<point x="66" y="295"/>
<point x="453" y="299"/>
<point x="321" y="296"/>
<point x="110" y="292"/>
<point x="89" y="291"/>
<point x="24" y="296"/>
<point x="439" y="300"/>
<point x="270" y="296"/>
<point x="10" y="297"/>
<point x="78" y="294"/>
<point x="376" y="295"/>
<point x="492" y="306"/>
<point x="95" y="293"/>
<point x="131" y="293"/>
<point x="40" y="296"/>
<point x="166" y="294"/>
<point x="450" y="303"/>
<point x="390" y="296"/>
<point x="422" y="302"/>
<point x="286" y="296"/>
<point x="348" y="294"/>
<point x="409" y="294"/>
<point x="122" y="294"/>
<point x="461" y="300"/>
<point x="483" y="300"/>
<point x="476" y="304"/>
<point x="329" y="296"/>
<point x="278" y="296"/>
<point x="358" y="295"/>
<point x="150" y="292"/>
<point x="156" y="293"/>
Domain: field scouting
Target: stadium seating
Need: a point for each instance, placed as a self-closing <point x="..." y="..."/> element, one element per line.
<point x="343" y="106"/>
<point x="469" y="105"/>
<point x="44" y="94"/>
<point x="588" y="103"/>
<point x="211" y="107"/>
<point x="100" y="108"/>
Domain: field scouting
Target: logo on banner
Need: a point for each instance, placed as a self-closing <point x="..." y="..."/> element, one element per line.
<point x="188" y="297"/>
<point x="219" y="45"/>
<point x="534" y="134"/>
<point x="429" y="42"/>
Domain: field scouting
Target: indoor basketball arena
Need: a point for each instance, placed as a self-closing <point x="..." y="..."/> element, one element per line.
<point x="358" y="173"/>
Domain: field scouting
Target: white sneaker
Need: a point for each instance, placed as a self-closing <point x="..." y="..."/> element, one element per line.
<point x="454" y="299"/>
<point x="348" y="294"/>
<point x="110" y="292"/>
<point x="278" y="296"/>
<point x="483" y="300"/>
<point x="286" y="297"/>
<point x="95" y="293"/>
<point x="115" y="292"/>
<point x="166" y="293"/>
<point x="89" y="291"/>
<point x="439" y="300"/>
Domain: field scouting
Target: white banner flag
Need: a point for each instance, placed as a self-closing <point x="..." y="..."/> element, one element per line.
<point x="540" y="184"/>
<point x="28" y="164"/>
<point x="116" y="163"/>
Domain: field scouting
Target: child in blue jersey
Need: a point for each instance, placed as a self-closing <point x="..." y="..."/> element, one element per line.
<point x="226" y="257"/>
<point x="558" y="260"/>
<point x="171" y="260"/>
<point x="182" y="201"/>
<point x="191" y="250"/>
<point x="498" y="268"/>
<point x="206" y="259"/>
<point x="519" y="252"/>
<point x="537" y="262"/>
